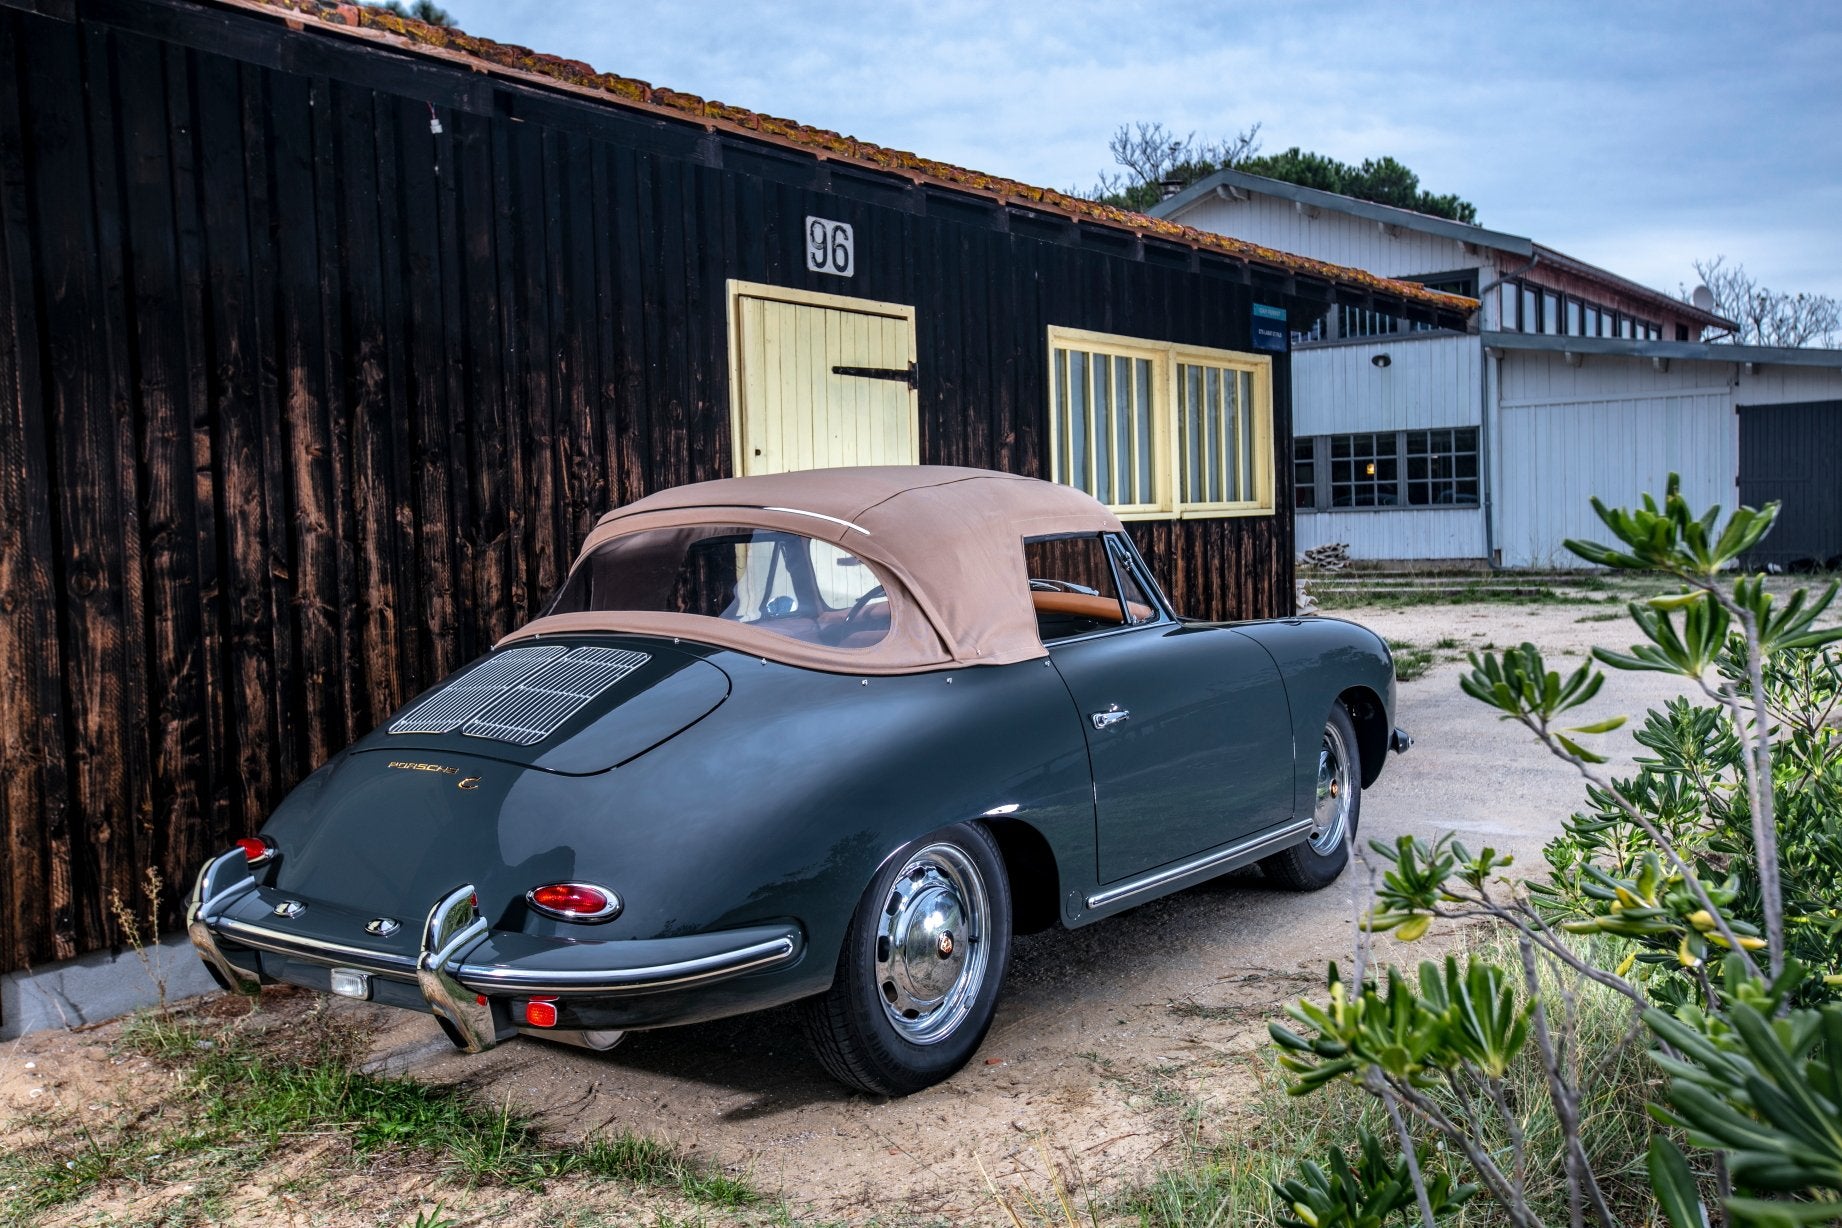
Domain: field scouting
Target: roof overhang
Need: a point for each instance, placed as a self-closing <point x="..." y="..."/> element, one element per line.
<point x="1686" y="351"/>
<point x="1224" y="184"/>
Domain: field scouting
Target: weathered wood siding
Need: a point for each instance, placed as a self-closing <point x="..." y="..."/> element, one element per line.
<point x="305" y="403"/>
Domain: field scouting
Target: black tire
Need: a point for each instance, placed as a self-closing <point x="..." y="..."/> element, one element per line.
<point x="1318" y="860"/>
<point x="857" y="1028"/>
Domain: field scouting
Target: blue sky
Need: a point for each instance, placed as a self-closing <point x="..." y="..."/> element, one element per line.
<point x="1635" y="135"/>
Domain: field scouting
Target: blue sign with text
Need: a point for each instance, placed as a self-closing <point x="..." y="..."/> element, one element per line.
<point x="1270" y="330"/>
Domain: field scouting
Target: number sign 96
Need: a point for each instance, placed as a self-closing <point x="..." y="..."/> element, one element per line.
<point x="830" y="247"/>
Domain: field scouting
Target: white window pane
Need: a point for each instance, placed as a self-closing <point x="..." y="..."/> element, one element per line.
<point x="1100" y="395"/>
<point x="1125" y="449"/>
<point x="1212" y="435"/>
<point x="1142" y="418"/>
<point x="1079" y="424"/>
<point x="1245" y="400"/>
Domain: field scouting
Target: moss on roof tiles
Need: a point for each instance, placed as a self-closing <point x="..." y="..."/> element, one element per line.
<point x="583" y="76"/>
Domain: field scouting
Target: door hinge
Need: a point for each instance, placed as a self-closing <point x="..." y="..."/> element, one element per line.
<point x="908" y="375"/>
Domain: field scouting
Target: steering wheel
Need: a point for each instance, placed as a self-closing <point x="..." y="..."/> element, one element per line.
<point x="862" y="602"/>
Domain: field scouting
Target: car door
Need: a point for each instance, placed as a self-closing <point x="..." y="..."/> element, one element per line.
<point x="1188" y="730"/>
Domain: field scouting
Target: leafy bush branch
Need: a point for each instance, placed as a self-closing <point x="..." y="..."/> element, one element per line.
<point x="1670" y="890"/>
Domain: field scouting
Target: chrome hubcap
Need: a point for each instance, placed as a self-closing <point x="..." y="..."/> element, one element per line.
<point x="930" y="943"/>
<point x="1330" y="818"/>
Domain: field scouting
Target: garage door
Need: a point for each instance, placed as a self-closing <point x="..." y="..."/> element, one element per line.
<point x="1793" y="453"/>
<point x="819" y="380"/>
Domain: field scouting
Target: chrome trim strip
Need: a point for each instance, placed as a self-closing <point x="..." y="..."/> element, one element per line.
<point x="798" y="511"/>
<point x="309" y="948"/>
<point x="751" y="958"/>
<point x="1158" y="878"/>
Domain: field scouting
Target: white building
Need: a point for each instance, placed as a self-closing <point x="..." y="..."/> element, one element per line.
<point x="1413" y="443"/>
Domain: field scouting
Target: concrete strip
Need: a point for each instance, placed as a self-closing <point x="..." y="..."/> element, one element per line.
<point x="99" y="986"/>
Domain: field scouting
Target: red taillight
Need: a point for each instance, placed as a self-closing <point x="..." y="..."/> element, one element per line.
<point x="575" y="901"/>
<point x="256" y="849"/>
<point x="540" y="1012"/>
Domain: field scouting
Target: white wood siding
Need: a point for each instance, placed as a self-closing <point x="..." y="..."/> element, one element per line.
<point x="1336" y="237"/>
<point x="1429" y="381"/>
<point x="1787" y="385"/>
<point x="1430" y="533"/>
<point x="1611" y="428"/>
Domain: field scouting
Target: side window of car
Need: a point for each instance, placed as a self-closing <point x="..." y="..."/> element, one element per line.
<point x="1071" y="586"/>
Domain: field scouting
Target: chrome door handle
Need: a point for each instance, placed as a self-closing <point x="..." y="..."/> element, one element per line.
<point x="1112" y="716"/>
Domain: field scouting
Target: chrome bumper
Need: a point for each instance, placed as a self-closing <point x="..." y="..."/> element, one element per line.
<point x="460" y="993"/>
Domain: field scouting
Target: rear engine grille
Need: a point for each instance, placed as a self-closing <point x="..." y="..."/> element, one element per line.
<point x="522" y="695"/>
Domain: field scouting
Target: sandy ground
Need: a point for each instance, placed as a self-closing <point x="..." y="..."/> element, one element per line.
<point x="1107" y="1037"/>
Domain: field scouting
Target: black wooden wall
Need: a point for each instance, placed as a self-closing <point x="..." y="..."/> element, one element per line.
<point x="305" y="403"/>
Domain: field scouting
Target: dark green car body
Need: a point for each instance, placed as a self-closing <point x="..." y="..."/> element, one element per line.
<point x="738" y="804"/>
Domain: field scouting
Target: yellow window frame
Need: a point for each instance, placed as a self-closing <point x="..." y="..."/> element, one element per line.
<point x="1166" y="446"/>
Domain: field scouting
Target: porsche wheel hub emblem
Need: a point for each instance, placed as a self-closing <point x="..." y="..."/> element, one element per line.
<point x="946" y="944"/>
<point x="382" y="927"/>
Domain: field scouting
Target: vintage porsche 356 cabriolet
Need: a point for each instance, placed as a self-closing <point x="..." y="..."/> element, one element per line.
<point x="824" y="737"/>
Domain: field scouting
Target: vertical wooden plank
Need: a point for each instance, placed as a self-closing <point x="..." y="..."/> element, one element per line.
<point x="134" y="839"/>
<point x="185" y="314"/>
<point x="630" y="207"/>
<point x="432" y="637"/>
<point x="315" y="724"/>
<point x="403" y="658"/>
<point x="33" y="770"/>
<point x="89" y="508"/>
<point x="281" y="750"/>
<point x="534" y="407"/>
<point x="672" y="460"/>
<point x="372" y="427"/>
<point x="175" y="712"/>
<point x="234" y="420"/>
<point x="462" y="174"/>
<point x="573" y="295"/>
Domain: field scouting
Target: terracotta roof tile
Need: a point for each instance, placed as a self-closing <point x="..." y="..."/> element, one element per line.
<point x="453" y="43"/>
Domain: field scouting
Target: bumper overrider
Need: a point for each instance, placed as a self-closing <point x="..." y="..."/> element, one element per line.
<point x="468" y="975"/>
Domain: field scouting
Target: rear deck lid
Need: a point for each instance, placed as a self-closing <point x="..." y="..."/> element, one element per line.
<point x="574" y="706"/>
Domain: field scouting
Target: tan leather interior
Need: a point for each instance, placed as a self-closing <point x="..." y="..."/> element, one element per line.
<point x="1106" y="609"/>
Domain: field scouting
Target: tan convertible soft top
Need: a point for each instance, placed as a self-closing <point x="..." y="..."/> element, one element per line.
<point x="947" y="543"/>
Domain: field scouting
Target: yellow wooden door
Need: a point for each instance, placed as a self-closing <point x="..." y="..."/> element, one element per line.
<point x="793" y="409"/>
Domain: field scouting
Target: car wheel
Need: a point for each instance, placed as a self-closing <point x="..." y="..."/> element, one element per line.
<point x="1320" y="858"/>
<point x="922" y="966"/>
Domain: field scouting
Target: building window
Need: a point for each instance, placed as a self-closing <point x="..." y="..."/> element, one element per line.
<point x="1531" y="310"/>
<point x="1159" y="430"/>
<point x="1434" y="468"/>
<point x="1592" y="321"/>
<point x="1506" y="305"/>
<point x="1365" y="322"/>
<point x="1442" y="467"/>
<point x="1305" y="472"/>
<point x="1573" y="317"/>
<point x="1364" y="470"/>
<point x="1218" y="435"/>
<point x="1550" y="313"/>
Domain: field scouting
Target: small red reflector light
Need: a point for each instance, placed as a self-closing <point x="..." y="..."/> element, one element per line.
<point x="575" y="901"/>
<point x="480" y="998"/>
<point x="256" y="849"/>
<point x="540" y="1012"/>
